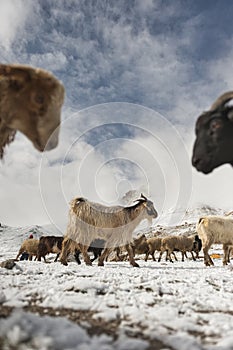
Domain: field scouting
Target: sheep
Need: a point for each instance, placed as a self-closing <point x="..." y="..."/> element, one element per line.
<point x="179" y="243"/>
<point x="30" y="246"/>
<point x="88" y="221"/>
<point x="49" y="244"/>
<point x="214" y="136"/>
<point x="215" y="229"/>
<point x="30" y="101"/>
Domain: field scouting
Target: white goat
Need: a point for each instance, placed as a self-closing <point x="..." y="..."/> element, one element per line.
<point x="215" y="229"/>
<point x="115" y="225"/>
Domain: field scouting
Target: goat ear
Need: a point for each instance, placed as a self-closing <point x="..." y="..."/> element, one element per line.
<point x="80" y="199"/>
<point x="143" y="197"/>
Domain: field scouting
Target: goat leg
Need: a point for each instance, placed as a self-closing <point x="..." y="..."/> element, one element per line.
<point x="84" y="249"/>
<point x="57" y="257"/>
<point x="131" y="255"/>
<point x="104" y="254"/>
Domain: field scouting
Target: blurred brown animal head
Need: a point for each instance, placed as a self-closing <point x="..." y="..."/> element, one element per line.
<point x="30" y="101"/>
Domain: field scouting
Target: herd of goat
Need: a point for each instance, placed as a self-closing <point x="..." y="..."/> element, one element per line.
<point x="31" y="100"/>
<point x="101" y="229"/>
<point x="140" y="245"/>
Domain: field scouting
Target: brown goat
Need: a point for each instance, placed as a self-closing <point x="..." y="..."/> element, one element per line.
<point x="89" y="221"/>
<point x="49" y="244"/>
<point x="139" y="246"/>
<point x="30" y="101"/>
<point x="30" y="246"/>
<point x="179" y="243"/>
<point x="70" y="246"/>
<point x="154" y="243"/>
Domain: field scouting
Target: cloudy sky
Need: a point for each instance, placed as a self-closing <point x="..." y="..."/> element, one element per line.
<point x="137" y="75"/>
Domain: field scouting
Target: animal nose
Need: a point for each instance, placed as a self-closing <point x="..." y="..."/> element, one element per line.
<point x="196" y="161"/>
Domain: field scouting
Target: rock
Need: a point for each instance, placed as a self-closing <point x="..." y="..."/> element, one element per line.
<point x="8" y="264"/>
<point x="2" y="297"/>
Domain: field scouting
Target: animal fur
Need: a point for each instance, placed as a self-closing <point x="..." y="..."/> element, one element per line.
<point x="30" y="102"/>
<point x="154" y="243"/>
<point x="214" y="136"/>
<point x="179" y="243"/>
<point x="49" y="244"/>
<point x="30" y="246"/>
<point x="89" y="221"/>
<point x="215" y="229"/>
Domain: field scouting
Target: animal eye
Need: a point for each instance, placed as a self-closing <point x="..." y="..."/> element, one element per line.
<point x="39" y="98"/>
<point x="16" y="84"/>
<point x="215" y="125"/>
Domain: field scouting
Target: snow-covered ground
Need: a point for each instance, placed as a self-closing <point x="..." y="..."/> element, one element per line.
<point x="157" y="306"/>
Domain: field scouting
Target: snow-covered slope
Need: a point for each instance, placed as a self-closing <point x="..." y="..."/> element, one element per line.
<point x="158" y="306"/>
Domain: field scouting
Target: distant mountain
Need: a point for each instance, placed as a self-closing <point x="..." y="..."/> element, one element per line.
<point x="193" y="214"/>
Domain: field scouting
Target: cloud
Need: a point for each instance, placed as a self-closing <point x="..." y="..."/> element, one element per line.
<point x="161" y="55"/>
<point x="13" y="15"/>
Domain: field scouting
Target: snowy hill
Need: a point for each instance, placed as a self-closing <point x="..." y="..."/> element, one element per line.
<point x="11" y="238"/>
<point x="158" y="306"/>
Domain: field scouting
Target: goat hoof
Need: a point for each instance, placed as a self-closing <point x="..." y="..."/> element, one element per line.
<point x="64" y="263"/>
<point x="135" y="264"/>
<point x="100" y="264"/>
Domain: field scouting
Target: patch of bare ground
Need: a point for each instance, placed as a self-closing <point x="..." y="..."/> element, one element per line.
<point x="84" y="318"/>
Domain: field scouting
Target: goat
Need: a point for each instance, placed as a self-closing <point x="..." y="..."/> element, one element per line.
<point x="215" y="229"/>
<point x="49" y="244"/>
<point x="214" y="136"/>
<point x="154" y="243"/>
<point x="227" y="249"/>
<point x="96" y="248"/>
<point x="69" y="246"/>
<point x="30" y="246"/>
<point x="30" y="101"/>
<point x="180" y="243"/>
<point x="115" y="225"/>
<point x="139" y="246"/>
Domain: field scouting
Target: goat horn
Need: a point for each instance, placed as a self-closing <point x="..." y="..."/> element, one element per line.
<point x="221" y="100"/>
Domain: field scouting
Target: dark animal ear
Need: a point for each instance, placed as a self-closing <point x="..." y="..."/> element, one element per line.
<point x="143" y="197"/>
<point x="79" y="200"/>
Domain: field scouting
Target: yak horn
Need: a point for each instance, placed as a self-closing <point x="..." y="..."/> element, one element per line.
<point x="221" y="100"/>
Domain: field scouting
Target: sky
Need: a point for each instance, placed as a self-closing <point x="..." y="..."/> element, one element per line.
<point x="137" y="75"/>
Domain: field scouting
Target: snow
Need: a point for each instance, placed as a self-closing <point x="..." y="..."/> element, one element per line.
<point x="180" y="305"/>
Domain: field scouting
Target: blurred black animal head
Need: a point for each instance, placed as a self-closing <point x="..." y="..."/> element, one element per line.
<point x="214" y="136"/>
